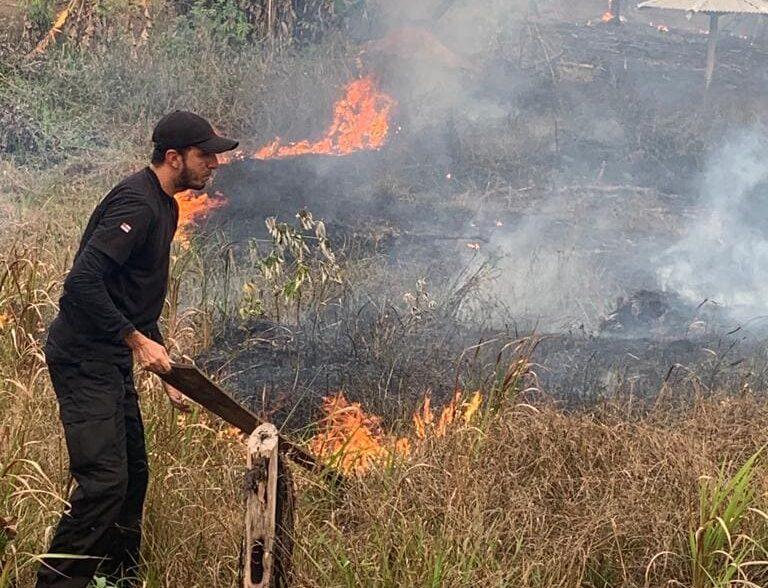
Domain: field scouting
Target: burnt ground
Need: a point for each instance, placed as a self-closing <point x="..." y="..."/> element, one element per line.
<point x="572" y="158"/>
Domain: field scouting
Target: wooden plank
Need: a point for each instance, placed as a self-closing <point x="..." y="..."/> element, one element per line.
<point x="198" y="387"/>
<point x="261" y="507"/>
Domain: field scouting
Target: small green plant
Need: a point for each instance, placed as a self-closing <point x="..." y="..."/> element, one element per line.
<point x="718" y="547"/>
<point x="39" y="15"/>
<point x="299" y="258"/>
<point x="222" y="19"/>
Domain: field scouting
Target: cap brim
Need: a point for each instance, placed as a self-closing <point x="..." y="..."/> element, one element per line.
<point x="217" y="145"/>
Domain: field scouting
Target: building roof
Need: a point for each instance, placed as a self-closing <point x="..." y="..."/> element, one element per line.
<point x="711" y="6"/>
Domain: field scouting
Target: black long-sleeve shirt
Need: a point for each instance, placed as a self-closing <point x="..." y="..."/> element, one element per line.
<point x="119" y="278"/>
<point x="87" y="290"/>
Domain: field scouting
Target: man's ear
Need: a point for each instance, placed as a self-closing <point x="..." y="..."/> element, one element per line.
<point x="173" y="158"/>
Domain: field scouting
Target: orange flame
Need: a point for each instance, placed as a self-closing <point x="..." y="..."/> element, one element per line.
<point x="193" y="208"/>
<point x="608" y="16"/>
<point x="456" y="410"/>
<point x="360" y="122"/>
<point x="353" y="439"/>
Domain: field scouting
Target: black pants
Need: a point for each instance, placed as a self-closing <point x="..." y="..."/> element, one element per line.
<point x="105" y="438"/>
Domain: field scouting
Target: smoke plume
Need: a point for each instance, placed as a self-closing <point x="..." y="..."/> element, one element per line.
<point x="724" y="253"/>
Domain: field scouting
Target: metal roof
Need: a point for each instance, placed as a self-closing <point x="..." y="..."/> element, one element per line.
<point x="711" y="6"/>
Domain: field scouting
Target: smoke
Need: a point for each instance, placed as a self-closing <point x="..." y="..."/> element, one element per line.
<point x="528" y="139"/>
<point x="562" y="266"/>
<point x="724" y="253"/>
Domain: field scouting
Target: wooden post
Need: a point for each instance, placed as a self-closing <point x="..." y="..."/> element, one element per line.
<point x="712" y="47"/>
<point x="261" y="507"/>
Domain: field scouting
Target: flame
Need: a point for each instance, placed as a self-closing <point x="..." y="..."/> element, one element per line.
<point x="351" y="438"/>
<point x="608" y="16"/>
<point x="360" y="122"/>
<point x="470" y="408"/>
<point x="457" y="410"/>
<point x="229" y="157"/>
<point x="193" y="208"/>
<point x="354" y="441"/>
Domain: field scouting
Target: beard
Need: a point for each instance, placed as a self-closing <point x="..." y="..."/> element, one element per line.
<point x="188" y="180"/>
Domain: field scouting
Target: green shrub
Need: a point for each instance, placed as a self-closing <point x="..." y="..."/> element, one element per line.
<point x="39" y="14"/>
<point x="223" y="20"/>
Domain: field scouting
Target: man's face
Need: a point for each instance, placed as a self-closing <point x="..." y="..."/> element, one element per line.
<point x="196" y="169"/>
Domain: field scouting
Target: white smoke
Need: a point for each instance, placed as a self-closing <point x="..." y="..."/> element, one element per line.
<point x="724" y="253"/>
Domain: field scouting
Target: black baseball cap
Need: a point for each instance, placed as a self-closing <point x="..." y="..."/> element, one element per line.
<point x="181" y="129"/>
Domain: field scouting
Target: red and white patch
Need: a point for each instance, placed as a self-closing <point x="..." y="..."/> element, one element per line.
<point x="126" y="228"/>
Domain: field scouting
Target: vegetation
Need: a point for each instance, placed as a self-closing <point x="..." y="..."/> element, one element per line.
<point x="524" y="495"/>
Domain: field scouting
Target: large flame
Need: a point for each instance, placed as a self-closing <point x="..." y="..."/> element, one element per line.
<point x="193" y="208"/>
<point x="360" y="122"/>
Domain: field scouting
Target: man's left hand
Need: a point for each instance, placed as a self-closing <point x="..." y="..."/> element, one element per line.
<point x="177" y="399"/>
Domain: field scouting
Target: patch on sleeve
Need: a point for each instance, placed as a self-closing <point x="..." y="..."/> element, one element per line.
<point x="126" y="228"/>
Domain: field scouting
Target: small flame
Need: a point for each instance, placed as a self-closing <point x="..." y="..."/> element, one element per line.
<point x="227" y="158"/>
<point x="193" y="208"/>
<point x="360" y="122"/>
<point x="425" y="423"/>
<point x="608" y="16"/>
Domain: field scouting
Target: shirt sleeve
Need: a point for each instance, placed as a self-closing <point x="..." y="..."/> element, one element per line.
<point x="123" y="226"/>
<point x="154" y="333"/>
<point x="86" y="288"/>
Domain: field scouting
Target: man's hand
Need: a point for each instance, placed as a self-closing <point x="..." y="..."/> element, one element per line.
<point x="177" y="398"/>
<point x="149" y="354"/>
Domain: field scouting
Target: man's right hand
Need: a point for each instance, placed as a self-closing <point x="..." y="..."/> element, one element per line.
<point x="149" y="354"/>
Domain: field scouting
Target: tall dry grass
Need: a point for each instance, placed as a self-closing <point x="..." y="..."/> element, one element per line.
<point x="526" y="496"/>
<point x="541" y="498"/>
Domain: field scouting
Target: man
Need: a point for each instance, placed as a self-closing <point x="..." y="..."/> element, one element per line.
<point x="113" y="297"/>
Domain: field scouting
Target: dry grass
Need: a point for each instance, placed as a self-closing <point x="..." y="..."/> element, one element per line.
<point x="538" y="498"/>
<point x="530" y="496"/>
<point x="196" y="466"/>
